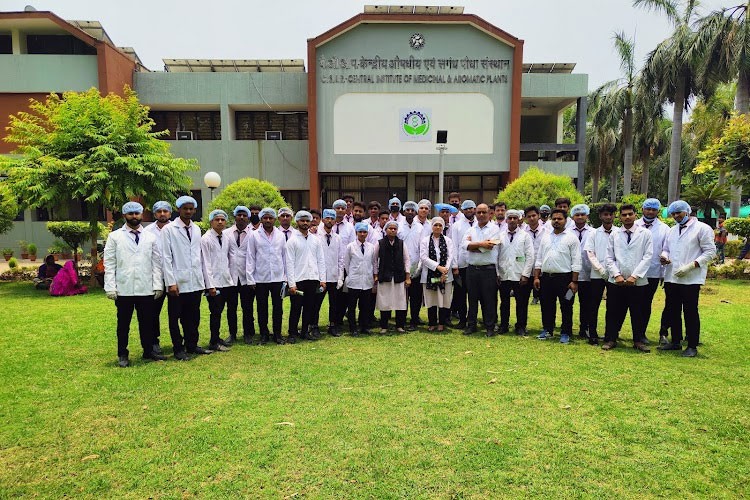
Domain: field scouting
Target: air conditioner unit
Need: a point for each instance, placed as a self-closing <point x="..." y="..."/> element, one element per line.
<point x="184" y="135"/>
<point x="273" y="135"/>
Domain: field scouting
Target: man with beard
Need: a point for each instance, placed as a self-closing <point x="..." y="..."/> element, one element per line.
<point x="237" y="236"/>
<point x="514" y="266"/>
<point x="535" y="227"/>
<point x="410" y="232"/>
<point x="162" y="211"/>
<point x="266" y="271"/>
<point x="306" y="275"/>
<point x="183" y="274"/>
<point x="454" y="200"/>
<point x="285" y="222"/>
<point x="544" y="212"/>
<point x="500" y="208"/>
<point x="583" y="231"/>
<point x="133" y="279"/>
<point x="254" y="219"/>
<point x="316" y="219"/>
<point x="360" y="264"/>
<point x="333" y="254"/>
<point x="349" y="216"/>
<point x="596" y="249"/>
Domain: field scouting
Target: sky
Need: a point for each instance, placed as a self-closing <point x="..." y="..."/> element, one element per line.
<point x="578" y="31"/>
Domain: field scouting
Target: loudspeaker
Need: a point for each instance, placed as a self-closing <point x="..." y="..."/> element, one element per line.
<point x="442" y="137"/>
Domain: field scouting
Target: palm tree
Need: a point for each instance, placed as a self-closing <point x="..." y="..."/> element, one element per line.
<point x="707" y="197"/>
<point x="672" y="74"/>
<point x="649" y="137"/>
<point x="602" y="140"/>
<point x="723" y="45"/>
<point x="616" y="103"/>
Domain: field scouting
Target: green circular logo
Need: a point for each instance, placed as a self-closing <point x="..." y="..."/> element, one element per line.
<point x="416" y="123"/>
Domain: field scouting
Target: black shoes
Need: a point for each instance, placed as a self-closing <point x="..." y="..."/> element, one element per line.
<point x="690" y="352"/>
<point x="490" y="332"/>
<point x="279" y="339"/>
<point x="181" y="356"/>
<point x="334" y="331"/>
<point x="230" y="340"/>
<point x="264" y="338"/>
<point x="521" y="331"/>
<point x="354" y="332"/>
<point x="156" y="348"/>
<point x="469" y="330"/>
<point x="501" y="329"/>
<point x="154" y="356"/>
<point x="670" y="347"/>
<point x="218" y="347"/>
<point x="248" y="339"/>
<point x="663" y="340"/>
<point x="594" y="340"/>
<point x="640" y="346"/>
<point x="291" y="339"/>
<point x="200" y="350"/>
<point x="123" y="362"/>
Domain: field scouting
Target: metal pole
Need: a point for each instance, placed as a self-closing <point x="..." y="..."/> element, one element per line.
<point x="441" y="180"/>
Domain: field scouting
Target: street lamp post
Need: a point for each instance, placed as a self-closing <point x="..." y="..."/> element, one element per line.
<point x="212" y="181"/>
<point x="442" y="139"/>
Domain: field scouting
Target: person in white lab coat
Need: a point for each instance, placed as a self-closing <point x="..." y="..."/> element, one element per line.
<point x="306" y="277"/>
<point x="133" y="279"/>
<point x="628" y="259"/>
<point x="688" y="250"/>
<point x="360" y="266"/>
<point x="241" y="293"/>
<point x="266" y="271"/>
<point x="183" y="275"/>
<point x="514" y="267"/>
<point x="410" y="232"/>
<point x="162" y="211"/>
<point x="333" y="253"/>
<point x="583" y="231"/>
<point x="596" y="249"/>
<point x="218" y="260"/>
<point x="457" y="232"/>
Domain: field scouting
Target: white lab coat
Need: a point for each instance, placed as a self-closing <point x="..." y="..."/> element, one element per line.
<point x="515" y="259"/>
<point x="412" y="237"/>
<point x="360" y="269"/>
<point x="659" y="232"/>
<point x="333" y="255"/>
<point x="182" y="257"/>
<point x="304" y="259"/>
<point x="237" y="270"/>
<point x="430" y="265"/>
<point x="457" y="233"/>
<point x="266" y="258"/>
<point x="585" y="233"/>
<point x="132" y="270"/>
<point x="218" y="260"/>
<point x="630" y="259"/>
<point x="596" y="248"/>
<point x="695" y="244"/>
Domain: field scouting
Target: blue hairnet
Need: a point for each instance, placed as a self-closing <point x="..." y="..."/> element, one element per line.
<point x="185" y="199"/>
<point x="132" y="207"/>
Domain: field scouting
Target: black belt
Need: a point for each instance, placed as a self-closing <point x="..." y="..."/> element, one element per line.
<point x="550" y="275"/>
<point x="486" y="266"/>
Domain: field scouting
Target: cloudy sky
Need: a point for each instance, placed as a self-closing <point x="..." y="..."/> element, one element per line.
<point x="577" y="31"/>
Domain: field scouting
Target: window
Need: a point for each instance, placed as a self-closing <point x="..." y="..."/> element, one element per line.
<point x="297" y="199"/>
<point x="198" y="195"/>
<point x="253" y="125"/>
<point x="57" y="44"/>
<point x="205" y="125"/>
<point x="6" y="44"/>
<point x="364" y="188"/>
<point x="479" y="188"/>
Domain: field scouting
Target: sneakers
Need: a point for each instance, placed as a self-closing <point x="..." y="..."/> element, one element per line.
<point x="544" y="335"/>
<point x="564" y="338"/>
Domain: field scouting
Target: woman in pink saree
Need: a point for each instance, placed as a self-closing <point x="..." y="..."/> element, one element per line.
<point x="66" y="282"/>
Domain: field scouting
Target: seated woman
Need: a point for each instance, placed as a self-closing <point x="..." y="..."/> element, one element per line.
<point x="46" y="272"/>
<point x="66" y="282"/>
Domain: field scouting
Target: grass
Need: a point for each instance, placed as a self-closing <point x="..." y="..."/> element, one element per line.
<point x="420" y="415"/>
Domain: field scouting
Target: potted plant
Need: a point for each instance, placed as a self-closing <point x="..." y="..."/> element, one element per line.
<point x="7" y="253"/>
<point x="24" y="246"/>
<point x="32" y="252"/>
<point x="55" y="250"/>
<point x="67" y="252"/>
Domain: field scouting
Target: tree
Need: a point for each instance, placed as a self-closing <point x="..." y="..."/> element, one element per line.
<point x="672" y="74"/>
<point x="723" y="44"/>
<point x="731" y="152"/>
<point x="650" y="136"/>
<point x="536" y="187"/>
<point x="602" y="145"/>
<point x="74" y="233"/>
<point x="616" y="106"/>
<point x="738" y="226"/>
<point x="99" y="149"/>
<point x="247" y="191"/>
<point x="8" y="208"/>
<point x="707" y="197"/>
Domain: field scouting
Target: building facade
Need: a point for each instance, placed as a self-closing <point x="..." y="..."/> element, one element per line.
<point x="359" y="117"/>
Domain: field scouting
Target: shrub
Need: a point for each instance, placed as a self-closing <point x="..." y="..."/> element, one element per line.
<point x="247" y="191"/>
<point x="24" y="246"/>
<point x="739" y="226"/>
<point x="13" y="263"/>
<point x="737" y="270"/>
<point x="536" y="187"/>
<point x="732" y="249"/>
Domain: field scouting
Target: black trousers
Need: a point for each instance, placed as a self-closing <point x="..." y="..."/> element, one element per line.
<point x="184" y="309"/>
<point x="553" y="288"/>
<point x="215" y="309"/>
<point x="156" y="316"/>
<point x="262" y="291"/>
<point x="342" y="305"/>
<point x="458" y="303"/>
<point x="245" y="295"/>
<point x="416" y="298"/>
<point x="481" y="283"/>
<point x="683" y="300"/>
<point x="144" y="310"/>
<point x="438" y="316"/>
<point x="366" y="300"/>
<point x="385" y="317"/>
<point x="653" y="285"/>
<point x="584" y="305"/>
<point x="521" y="293"/>
<point x="596" y="293"/>
<point x="332" y="305"/>
<point x="303" y="306"/>
<point x="620" y="300"/>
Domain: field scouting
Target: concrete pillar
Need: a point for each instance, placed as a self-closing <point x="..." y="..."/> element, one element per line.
<point x="18" y="41"/>
<point x="411" y="186"/>
<point x="581" y="112"/>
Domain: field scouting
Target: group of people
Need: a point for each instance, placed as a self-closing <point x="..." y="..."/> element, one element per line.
<point x="399" y="260"/>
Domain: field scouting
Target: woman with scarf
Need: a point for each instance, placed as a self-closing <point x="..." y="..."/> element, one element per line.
<point x="438" y="267"/>
<point x="392" y="278"/>
<point x="66" y="282"/>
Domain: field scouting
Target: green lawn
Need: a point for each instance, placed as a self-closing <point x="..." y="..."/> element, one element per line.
<point x="417" y="415"/>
